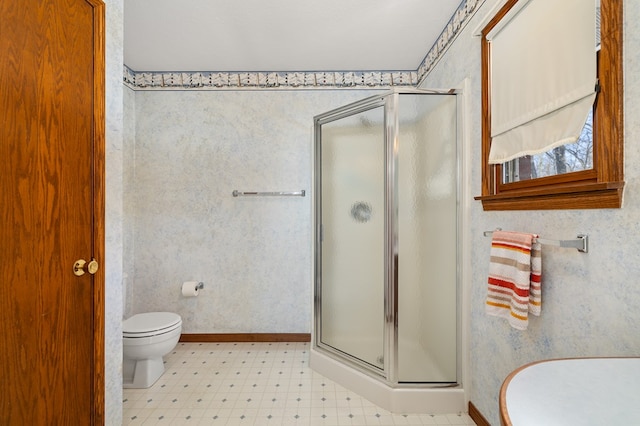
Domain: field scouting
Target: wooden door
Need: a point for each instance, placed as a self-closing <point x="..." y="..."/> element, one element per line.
<point x="51" y="211"/>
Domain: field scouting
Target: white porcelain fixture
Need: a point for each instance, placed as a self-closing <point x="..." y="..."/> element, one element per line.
<point x="572" y="391"/>
<point x="146" y="339"/>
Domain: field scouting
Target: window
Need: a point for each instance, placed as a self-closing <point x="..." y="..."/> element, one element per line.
<point x="589" y="177"/>
<point x="566" y="158"/>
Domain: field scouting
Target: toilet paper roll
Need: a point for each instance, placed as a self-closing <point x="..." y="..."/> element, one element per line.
<point x="190" y="288"/>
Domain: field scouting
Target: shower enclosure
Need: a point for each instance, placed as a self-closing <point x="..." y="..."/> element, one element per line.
<point x="386" y="222"/>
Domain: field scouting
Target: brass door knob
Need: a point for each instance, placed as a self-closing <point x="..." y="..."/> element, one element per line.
<point x="80" y="267"/>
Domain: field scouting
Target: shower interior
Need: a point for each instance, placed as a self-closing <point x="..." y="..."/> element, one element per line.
<point x="386" y="275"/>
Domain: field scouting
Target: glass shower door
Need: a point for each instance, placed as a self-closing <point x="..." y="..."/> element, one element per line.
<point x="426" y="227"/>
<point x="352" y="247"/>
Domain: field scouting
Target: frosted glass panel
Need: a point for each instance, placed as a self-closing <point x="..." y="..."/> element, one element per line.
<point x="352" y="173"/>
<point x="426" y="225"/>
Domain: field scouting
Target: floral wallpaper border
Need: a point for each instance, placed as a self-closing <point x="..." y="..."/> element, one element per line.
<point x="305" y="80"/>
<point x="266" y="80"/>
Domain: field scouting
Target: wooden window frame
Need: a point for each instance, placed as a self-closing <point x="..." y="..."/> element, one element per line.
<point x="600" y="187"/>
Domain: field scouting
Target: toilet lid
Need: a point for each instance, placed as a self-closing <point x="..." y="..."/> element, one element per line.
<point x="149" y="322"/>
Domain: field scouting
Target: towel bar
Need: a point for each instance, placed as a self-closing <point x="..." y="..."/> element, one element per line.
<point x="581" y="243"/>
<point x="237" y="193"/>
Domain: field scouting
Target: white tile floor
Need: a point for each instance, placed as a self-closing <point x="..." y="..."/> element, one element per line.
<point x="255" y="384"/>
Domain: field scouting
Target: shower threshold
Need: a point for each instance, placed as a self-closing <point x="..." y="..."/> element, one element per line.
<point x="405" y="400"/>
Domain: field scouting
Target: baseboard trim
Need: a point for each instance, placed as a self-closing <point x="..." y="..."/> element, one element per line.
<point x="244" y="337"/>
<point x="477" y="416"/>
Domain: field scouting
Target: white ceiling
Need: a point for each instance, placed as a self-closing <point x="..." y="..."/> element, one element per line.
<point x="282" y="35"/>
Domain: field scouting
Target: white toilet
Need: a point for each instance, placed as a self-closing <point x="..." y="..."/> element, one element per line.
<point x="146" y="339"/>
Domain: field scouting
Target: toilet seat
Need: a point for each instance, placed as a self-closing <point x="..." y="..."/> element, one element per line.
<point x="150" y="324"/>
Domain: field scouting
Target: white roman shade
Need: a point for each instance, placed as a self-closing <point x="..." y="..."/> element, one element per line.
<point x="543" y="76"/>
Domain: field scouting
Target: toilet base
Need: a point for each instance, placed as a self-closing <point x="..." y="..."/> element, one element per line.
<point x="141" y="373"/>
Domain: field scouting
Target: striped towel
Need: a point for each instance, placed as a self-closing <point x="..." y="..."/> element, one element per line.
<point x="515" y="273"/>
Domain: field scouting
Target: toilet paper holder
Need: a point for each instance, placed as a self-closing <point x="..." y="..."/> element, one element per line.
<point x="191" y="288"/>
<point x="197" y="285"/>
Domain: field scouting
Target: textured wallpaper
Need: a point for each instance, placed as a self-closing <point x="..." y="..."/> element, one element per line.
<point x="591" y="302"/>
<point x="253" y="254"/>
<point x="113" y="263"/>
